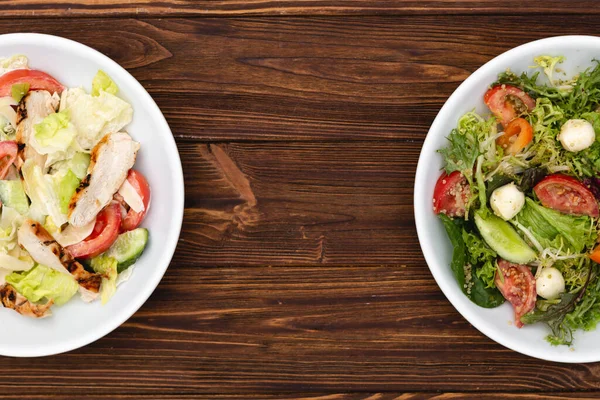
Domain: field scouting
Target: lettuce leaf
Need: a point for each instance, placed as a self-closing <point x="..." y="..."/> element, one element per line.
<point x="12" y="195"/>
<point x="95" y="116"/>
<point x="554" y="229"/>
<point x="78" y="164"/>
<point x="482" y="256"/>
<point x="18" y="61"/>
<point x="464" y="272"/>
<point x="108" y="267"/>
<point x="465" y="143"/>
<point x="64" y="185"/>
<point x="41" y="190"/>
<point x="54" y="133"/>
<point x="42" y="282"/>
<point x="102" y="82"/>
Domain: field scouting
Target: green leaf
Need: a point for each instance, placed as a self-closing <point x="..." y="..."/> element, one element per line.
<point x="470" y="283"/>
<point x="18" y="90"/>
<point x="459" y="255"/>
<point x="13" y="195"/>
<point x="42" y="282"/>
<point x="54" y="133"/>
<point x="65" y="185"/>
<point x="483" y="295"/>
<point x="102" y="82"/>
<point x="551" y="227"/>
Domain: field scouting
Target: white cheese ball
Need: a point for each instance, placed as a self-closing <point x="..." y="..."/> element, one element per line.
<point x="550" y="283"/>
<point x="576" y="135"/>
<point x="507" y="201"/>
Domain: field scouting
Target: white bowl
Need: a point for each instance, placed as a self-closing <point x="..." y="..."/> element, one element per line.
<point x="494" y="323"/>
<point x="77" y="323"/>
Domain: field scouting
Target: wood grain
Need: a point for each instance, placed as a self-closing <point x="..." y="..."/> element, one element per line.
<point x="294" y="329"/>
<point x="339" y="396"/>
<point x="171" y="8"/>
<point x="305" y="203"/>
<point x="304" y="78"/>
<point x="298" y="274"/>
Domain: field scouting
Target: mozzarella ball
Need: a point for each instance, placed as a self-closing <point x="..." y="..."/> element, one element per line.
<point x="576" y="135"/>
<point x="550" y="283"/>
<point x="507" y="201"/>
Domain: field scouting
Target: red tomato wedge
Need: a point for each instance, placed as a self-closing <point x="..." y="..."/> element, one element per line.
<point x="517" y="285"/>
<point x="451" y="194"/>
<point x="108" y="221"/>
<point x="567" y="195"/>
<point x="508" y="102"/>
<point x="8" y="155"/>
<point x="133" y="219"/>
<point x="517" y="135"/>
<point x="37" y="80"/>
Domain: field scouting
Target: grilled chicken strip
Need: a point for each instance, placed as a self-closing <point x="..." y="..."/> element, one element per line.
<point x="10" y="298"/>
<point x="32" y="109"/>
<point x="45" y="250"/>
<point x="111" y="159"/>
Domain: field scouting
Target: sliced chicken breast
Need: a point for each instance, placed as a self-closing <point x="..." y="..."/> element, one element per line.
<point x="32" y="109"/>
<point x="111" y="159"/>
<point x="45" y="250"/>
<point x="10" y="298"/>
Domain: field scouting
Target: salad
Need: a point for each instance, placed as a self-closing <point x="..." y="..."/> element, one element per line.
<point x="71" y="202"/>
<point x="519" y="194"/>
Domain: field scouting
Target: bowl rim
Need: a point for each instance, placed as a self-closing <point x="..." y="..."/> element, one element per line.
<point x="422" y="204"/>
<point x="172" y="154"/>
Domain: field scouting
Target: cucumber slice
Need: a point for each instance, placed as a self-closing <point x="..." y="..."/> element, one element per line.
<point x="13" y="196"/>
<point x="503" y="239"/>
<point x="128" y="247"/>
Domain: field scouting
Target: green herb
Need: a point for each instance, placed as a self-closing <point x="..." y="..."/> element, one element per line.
<point x="483" y="295"/>
<point x="459" y="255"/>
<point x="481" y="256"/>
<point x="555" y="315"/>
<point x="465" y="273"/>
<point x="531" y="177"/>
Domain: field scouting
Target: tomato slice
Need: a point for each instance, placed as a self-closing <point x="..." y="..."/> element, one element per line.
<point x="567" y="195"/>
<point x="595" y="255"/>
<point x="133" y="219"/>
<point x="517" y="285"/>
<point x="451" y="194"/>
<point x="517" y="134"/>
<point x="508" y="102"/>
<point x="8" y="155"/>
<point x="37" y="80"/>
<point x="109" y="221"/>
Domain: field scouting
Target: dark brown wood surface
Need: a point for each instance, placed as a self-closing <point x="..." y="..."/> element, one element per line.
<point x="298" y="273"/>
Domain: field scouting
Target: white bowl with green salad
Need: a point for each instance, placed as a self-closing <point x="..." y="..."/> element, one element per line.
<point x="507" y="196"/>
<point x="91" y="192"/>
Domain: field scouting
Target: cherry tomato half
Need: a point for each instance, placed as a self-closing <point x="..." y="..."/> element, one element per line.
<point x="517" y="285"/>
<point x="508" y="102"/>
<point x="517" y="134"/>
<point x="595" y="255"/>
<point x="567" y="195"/>
<point x="451" y="194"/>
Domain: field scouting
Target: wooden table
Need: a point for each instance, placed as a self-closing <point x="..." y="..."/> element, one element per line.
<point x="298" y="272"/>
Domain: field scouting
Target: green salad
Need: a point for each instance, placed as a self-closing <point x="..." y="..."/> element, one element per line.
<point x="519" y="195"/>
